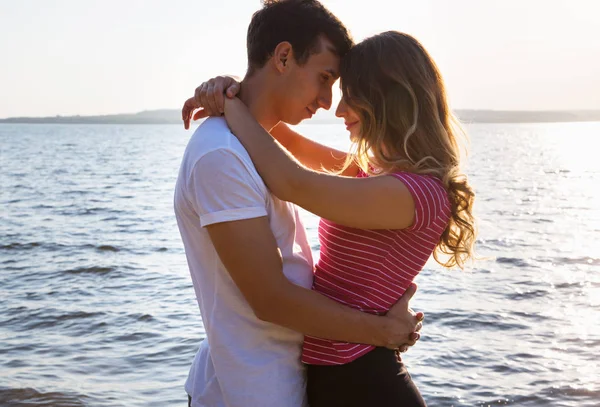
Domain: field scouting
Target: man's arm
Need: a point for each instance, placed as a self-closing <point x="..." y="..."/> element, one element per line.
<point x="311" y="154"/>
<point x="249" y="251"/>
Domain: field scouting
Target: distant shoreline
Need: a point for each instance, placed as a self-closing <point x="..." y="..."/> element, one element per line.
<point x="173" y="116"/>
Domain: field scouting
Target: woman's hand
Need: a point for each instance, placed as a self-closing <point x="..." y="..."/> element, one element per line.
<point x="209" y="98"/>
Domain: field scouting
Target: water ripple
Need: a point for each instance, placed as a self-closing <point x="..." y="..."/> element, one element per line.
<point x="28" y="397"/>
<point x="97" y="306"/>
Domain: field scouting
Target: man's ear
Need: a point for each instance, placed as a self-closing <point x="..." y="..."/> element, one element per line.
<point x="282" y="56"/>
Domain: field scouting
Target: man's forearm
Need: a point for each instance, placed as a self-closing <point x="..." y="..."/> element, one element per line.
<point x="249" y="251"/>
<point x="316" y="315"/>
<point x="293" y="142"/>
<point x="311" y="154"/>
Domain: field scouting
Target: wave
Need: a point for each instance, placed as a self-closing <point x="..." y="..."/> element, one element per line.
<point x="542" y="220"/>
<point x="568" y="396"/>
<point x="58" y="247"/>
<point x="107" y="248"/>
<point x="534" y="317"/>
<point x="583" y="261"/>
<point x="89" y="211"/>
<point x="136" y="337"/>
<point x="519" y="296"/>
<point x="25" y="319"/>
<point x="498" y="244"/>
<point x="473" y="320"/>
<point x="514" y="261"/>
<point x="20" y="246"/>
<point x="28" y="397"/>
<point x="91" y="270"/>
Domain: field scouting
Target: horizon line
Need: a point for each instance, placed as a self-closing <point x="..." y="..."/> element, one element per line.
<point x="174" y="109"/>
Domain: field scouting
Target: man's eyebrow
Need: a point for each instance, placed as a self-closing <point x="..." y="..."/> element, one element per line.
<point x="332" y="73"/>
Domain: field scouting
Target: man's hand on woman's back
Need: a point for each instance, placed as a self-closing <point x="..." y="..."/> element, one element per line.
<point x="404" y="319"/>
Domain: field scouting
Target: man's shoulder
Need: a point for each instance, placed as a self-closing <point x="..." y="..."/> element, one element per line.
<point x="214" y="149"/>
<point x="214" y="135"/>
<point x="212" y="125"/>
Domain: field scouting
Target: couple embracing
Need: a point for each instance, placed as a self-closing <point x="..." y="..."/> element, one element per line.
<point x="280" y="331"/>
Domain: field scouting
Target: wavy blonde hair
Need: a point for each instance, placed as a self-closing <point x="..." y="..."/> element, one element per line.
<point x="396" y="89"/>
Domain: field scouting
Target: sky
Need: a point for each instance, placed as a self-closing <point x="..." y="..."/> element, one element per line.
<point x="67" y="57"/>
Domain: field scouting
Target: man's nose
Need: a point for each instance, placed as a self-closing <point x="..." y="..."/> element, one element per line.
<point x="324" y="100"/>
<point x="324" y="103"/>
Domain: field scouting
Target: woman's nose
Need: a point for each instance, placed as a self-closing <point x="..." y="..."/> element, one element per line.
<point x="341" y="109"/>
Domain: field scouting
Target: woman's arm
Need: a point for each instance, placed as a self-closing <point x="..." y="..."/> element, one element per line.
<point x="381" y="202"/>
<point x="210" y="98"/>
<point x="311" y="154"/>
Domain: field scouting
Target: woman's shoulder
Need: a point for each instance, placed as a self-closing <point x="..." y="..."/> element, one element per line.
<point x="425" y="180"/>
<point x="428" y="191"/>
<point x="420" y="184"/>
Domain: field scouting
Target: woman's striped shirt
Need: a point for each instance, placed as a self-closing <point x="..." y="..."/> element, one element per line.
<point x="370" y="269"/>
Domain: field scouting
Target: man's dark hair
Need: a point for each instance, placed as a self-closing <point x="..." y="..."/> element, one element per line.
<point x="299" y="22"/>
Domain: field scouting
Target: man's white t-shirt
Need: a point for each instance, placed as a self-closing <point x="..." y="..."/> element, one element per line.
<point x="243" y="362"/>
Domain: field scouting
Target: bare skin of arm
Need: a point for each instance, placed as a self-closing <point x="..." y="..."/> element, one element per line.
<point x="249" y="251"/>
<point x="311" y="154"/>
<point x="210" y="99"/>
<point x="378" y="202"/>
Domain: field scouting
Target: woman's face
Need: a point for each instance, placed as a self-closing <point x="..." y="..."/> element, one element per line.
<point x="351" y="119"/>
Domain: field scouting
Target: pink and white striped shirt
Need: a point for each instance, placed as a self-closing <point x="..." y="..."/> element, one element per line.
<point x="370" y="269"/>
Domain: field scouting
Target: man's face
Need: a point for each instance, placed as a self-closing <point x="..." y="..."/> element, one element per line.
<point x="306" y="88"/>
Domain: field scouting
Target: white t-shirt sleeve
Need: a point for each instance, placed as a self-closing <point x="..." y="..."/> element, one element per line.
<point x="223" y="189"/>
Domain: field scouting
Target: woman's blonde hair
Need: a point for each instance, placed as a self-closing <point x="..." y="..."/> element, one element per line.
<point x="395" y="87"/>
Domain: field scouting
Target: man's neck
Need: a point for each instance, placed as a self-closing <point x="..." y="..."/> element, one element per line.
<point x="255" y="94"/>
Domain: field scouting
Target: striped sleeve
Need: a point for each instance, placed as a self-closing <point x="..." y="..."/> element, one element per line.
<point x="429" y="195"/>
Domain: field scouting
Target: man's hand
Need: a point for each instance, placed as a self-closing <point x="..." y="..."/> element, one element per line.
<point x="404" y="323"/>
<point x="209" y="98"/>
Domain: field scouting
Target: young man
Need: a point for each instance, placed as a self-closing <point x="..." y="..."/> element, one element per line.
<point x="248" y="254"/>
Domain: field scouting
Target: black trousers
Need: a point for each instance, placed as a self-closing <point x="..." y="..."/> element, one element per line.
<point x="377" y="379"/>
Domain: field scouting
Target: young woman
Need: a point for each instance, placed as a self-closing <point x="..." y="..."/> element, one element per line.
<point x="386" y="207"/>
